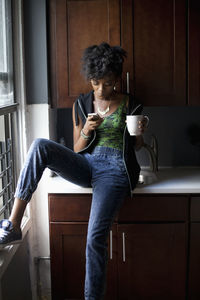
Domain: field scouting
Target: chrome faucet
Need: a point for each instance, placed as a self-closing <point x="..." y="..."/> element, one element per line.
<point x="152" y="150"/>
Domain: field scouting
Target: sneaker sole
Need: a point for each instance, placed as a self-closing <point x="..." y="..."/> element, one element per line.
<point x="10" y="243"/>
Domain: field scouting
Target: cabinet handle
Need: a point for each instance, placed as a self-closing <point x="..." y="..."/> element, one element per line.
<point x="111" y="246"/>
<point x="123" y="247"/>
<point x="127" y="83"/>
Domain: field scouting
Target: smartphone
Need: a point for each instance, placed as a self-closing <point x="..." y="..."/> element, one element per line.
<point x="95" y="116"/>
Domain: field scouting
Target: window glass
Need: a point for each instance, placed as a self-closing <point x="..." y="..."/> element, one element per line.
<point x="2" y="140"/>
<point x="6" y="57"/>
<point x="7" y="111"/>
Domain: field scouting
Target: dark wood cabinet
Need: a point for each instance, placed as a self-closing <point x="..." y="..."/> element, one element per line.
<point x="153" y="265"/>
<point x="194" y="262"/>
<point x="146" y="254"/>
<point x="68" y="260"/>
<point x="158" y="66"/>
<point x="68" y="216"/>
<point x="73" y="26"/>
<point x="161" y="38"/>
<point x="194" y="52"/>
<point x="152" y="237"/>
<point x="194" y="257"/>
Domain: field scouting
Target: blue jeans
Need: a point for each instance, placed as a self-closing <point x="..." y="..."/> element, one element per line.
<point x="104" y="170"/>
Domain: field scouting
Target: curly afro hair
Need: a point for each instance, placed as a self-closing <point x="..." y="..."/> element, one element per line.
<point x="102" y="60"/>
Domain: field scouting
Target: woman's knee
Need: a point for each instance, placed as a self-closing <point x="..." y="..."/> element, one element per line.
<point x="39" y="142"/>
<point x="39" y="145"/>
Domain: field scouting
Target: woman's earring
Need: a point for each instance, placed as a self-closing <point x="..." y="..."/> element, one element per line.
<point x="114" y="88"/>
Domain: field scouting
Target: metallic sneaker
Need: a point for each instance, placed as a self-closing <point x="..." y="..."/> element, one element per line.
<point x="8" y="235"/>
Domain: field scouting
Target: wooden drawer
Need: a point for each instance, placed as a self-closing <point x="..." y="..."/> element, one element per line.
<point x="69" y="207"/>
<point x="195" y="208"/>
<point x="76" y="207"/>
<point x="154" y="208"/>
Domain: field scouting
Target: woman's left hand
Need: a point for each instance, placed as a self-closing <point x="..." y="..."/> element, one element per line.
<point x="143" y="125"/>
<point x="139" y="143"/>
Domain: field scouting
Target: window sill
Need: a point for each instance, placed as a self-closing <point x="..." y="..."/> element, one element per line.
<point x="7" y="253"/>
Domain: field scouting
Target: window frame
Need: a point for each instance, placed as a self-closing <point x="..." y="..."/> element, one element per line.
<point x="7" y="172"/>
<point x="15" y="110"/>
<point x="7" y="111"/>
<point x="18" y="110"/>
<point x="6" y="74"/>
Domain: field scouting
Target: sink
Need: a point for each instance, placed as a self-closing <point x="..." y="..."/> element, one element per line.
<point x="147" y="177"/>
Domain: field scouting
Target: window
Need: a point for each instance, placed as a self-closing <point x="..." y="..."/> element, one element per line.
<point x="8" y="111"/>
<point x="6" y="57"/>
<point x="6" y="165"/>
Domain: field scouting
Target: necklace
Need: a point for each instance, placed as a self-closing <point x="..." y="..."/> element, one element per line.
<point x="103" y="112"/>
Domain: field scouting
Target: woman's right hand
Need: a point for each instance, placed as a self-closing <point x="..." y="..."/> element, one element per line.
<point x="91" y="125"/>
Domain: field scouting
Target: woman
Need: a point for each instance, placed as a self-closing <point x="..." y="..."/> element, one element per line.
<point x="103" y="157"/>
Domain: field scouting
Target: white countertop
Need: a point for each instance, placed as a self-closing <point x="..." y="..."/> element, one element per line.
<point x="169" y="180"/>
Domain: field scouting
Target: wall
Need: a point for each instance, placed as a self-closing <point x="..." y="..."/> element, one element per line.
<point x="178" y="133"/>
<point x="38" y="124"/>
<point x="35" y="39"/>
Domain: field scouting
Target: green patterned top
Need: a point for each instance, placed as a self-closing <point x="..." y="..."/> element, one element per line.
<point x="110" y="132"/>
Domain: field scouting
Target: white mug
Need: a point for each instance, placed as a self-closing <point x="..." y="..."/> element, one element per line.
<point x="133" y="124"/>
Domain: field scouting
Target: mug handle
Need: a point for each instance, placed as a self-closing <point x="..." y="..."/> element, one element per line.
<point x="147" y="120"/>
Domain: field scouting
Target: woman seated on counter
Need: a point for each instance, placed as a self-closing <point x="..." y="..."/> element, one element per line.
<point x="103" y="157"/>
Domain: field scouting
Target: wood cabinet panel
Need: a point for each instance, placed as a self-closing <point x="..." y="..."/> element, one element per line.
<point x="195" y="209"/>
<point x="159" y="49"/>
<point x="194" y="52"/>
<point x="67" y="247"/>
<point x="76" y="207"/>
<point x="112" y="267"/>
<point x="163" y="54"/>
<point x="73" y="207"/>
<point x="75" y="25"/>
<point x="146" y="248"/>
<point x="194" y="262"/>
<point x="154" y="264"/>
<point x="127" y="43"/>
<point x="154" y="208"/>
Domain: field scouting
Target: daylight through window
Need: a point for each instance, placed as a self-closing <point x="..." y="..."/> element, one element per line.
<point x="7" y="110"/>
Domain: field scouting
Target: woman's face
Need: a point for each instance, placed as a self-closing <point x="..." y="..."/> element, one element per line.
<point x="103" y="88"/>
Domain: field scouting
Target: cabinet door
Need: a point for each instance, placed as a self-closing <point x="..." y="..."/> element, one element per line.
<point x="195" y="208"/>
<point x="111" y="280"/>
<point x="157" y="55"/>
<point x="67" y="248"/>
<point x="194" y="262"/>
<point x="152" y="261"/>
<point x="194" y="52"/>
<point x="75" y="25"/>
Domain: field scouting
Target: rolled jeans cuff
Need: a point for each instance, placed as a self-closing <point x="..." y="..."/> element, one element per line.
<point x="25" y="196"/>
